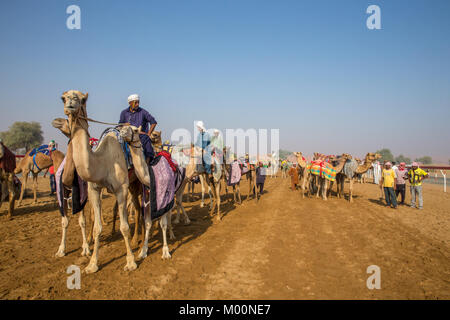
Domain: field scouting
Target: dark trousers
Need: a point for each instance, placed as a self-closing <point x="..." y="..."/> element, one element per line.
<point x="389" y="195"/>
<point x="52" y="183"/>
<point x="401" y="189"/>
<point x="260" y="186"/>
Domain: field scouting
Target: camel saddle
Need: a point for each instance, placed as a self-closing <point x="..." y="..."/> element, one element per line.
<point x="8" y="161"/>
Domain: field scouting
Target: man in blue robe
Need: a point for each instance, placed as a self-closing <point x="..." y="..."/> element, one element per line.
<point x="139" y="117"/>
<point x="203" y="141"/>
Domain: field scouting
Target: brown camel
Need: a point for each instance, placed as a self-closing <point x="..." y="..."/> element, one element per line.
<point x="103" y="168"/>
<point x="8" y="187"/>
<point x="27" y="165"/>
<point x="322" y="180"/>
<point x="351" y="170"/>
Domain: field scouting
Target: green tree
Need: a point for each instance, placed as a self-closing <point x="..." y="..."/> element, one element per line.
<point x="425" y="160"/>
<point x="23" y="135"/>
<point x="402" y="158"/>
<point x="284" y="153"/>
<point x="386" y="155"/>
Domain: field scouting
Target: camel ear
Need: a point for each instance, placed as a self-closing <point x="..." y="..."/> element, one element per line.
<point x="85" y="97"/>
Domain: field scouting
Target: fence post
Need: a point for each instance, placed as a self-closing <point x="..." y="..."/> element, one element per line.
<point x="445" y="181"/>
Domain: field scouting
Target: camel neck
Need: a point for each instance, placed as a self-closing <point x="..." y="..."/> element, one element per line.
<point x="364" y="167"/>
<point x="83" y="157"/>
<point x="140" y="166"/>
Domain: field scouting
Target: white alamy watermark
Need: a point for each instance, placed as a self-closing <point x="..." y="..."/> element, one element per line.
<point x="255" y="145"/>
<point x="73" y="22"/>
<point x="74" y="280"/>
<point x="374" y="281"/>
<point x="373" y="22"/>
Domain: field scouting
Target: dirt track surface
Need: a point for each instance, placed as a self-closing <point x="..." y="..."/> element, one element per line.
<point x="283" y="247"/>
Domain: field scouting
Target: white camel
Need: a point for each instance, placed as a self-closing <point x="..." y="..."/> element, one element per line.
<point x="103" y="168"/>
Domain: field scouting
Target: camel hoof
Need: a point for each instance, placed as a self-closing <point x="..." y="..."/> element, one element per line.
<point x="202" y="205"/>
<point x="166" y="254"/>
<point x="142" y="255"/>
<point x="130" y="266"/>
<point x="60" y="253"/>
<point x="171" y="236"/>
<point x="86" y="252"/>
<point x="187" y="222"/>
<point x="177" y="221"/>
<point x="91" y="268"/>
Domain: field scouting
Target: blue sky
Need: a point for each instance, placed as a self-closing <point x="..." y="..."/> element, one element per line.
<point x="309" y="68"/>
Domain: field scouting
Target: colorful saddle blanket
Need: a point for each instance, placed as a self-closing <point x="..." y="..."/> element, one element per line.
<point x="8" y="161"/>
<point x="160" y="197"/>
<point x="234" y="176"/>
<point x="78" y="190"/>
<point x="322" y="169"/>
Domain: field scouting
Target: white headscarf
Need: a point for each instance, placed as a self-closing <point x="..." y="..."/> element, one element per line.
<point x="133" y="97"/>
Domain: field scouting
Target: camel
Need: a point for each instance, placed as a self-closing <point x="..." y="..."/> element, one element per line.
<point x="322" y="179"/>
<point x="301" y="164"/>
<point x="27" y="165"/>
<point x="156" y="140"/>
<point x="131" y="136"/>
<point x="8" y="188"/>
<point x="351" y="170"/>
<point x="227" y="168"/>
<point x="134" y="190"/>
<point x="212" y="182"/>
<point x="103" y="168"/>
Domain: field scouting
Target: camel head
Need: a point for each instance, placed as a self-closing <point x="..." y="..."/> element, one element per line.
<point x="62" y="125"/>
<point x="371" y="157"/>
<point x="130" y="134"/>
<point x="346" y="156"/>
<point x="74" y="102"/>
<point x="156" y="137"/>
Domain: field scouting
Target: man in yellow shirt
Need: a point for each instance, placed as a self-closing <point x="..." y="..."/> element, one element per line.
<point x="388" y="182"/>
<point x="416" y="176"/>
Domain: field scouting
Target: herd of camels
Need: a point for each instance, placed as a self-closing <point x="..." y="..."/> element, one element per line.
<point x="106" y="168"/>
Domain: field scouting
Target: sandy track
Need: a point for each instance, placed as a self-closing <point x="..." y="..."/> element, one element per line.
<point x="283" y="247"/>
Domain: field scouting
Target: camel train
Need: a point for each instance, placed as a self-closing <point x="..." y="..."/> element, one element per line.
<point x="84" y="173"/>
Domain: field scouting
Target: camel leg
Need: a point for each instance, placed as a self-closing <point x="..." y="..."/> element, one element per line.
<point x="62" y="246"/>
<point x="85" y="246"/>
<point x="163" y="224"/>
<point x="94" y="197"/>
<point x="324" y="189"/>
<point x="24" y="185"/>
<point x="136" y="207"/>
<point x="239" y="192"/>
<point x="91" y="228"/>
<point x="180" y="206"/>
<point x="12" y="196"/>
<point x="35" y="177"/>
<point x="202" y="203"/>
<point x="115" y="208"/>
<point x="350" y="196"/>
<point x="148" y="228"/>
<point x="121" y="196"/>
<point x="217" y="189"/>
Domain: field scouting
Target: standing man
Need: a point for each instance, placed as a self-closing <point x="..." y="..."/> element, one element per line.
<point x="416" y="176"/>
<point x="400" y="187"/>
<point x="139" y="117"/>
<point x="388" y="182"/>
